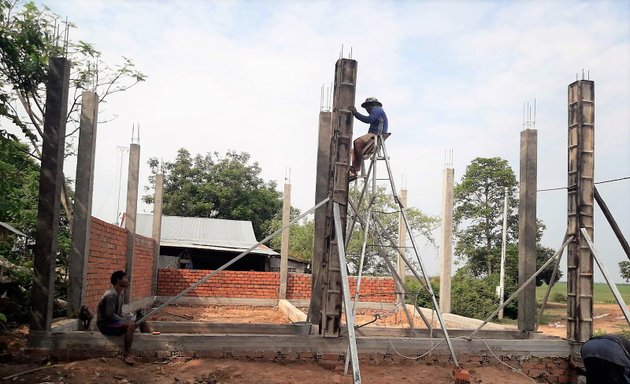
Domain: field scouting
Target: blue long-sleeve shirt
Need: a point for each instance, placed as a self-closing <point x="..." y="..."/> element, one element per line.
<point x="377" y="120"/>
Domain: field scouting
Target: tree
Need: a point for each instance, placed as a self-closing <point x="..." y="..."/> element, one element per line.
<point x="386" y="210"/>
<point x="478" y="217"/>
<point x="479" y="201"/>
<point x="29" y="36"/>
<point x="624" y="270"/>
<point x="19" y="191"/>
<point x="227" y="187"/>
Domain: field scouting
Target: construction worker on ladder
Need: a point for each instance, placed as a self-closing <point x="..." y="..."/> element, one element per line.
<point x="378" y="125"/>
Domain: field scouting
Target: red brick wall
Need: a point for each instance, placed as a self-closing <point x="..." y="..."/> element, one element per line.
<point x="261" y="285"/>
<point x="142" y="268"/>
<point x="108" y="246"/>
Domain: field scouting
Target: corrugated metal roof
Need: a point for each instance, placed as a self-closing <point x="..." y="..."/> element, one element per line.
<point x="201" y="232"/>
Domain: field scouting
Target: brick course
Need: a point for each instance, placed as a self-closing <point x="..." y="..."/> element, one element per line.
<point x="108" y="247"/>
<point x="249" y="284"/>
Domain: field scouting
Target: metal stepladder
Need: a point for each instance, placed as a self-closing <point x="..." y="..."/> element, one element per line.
<point x="376" y="151"/>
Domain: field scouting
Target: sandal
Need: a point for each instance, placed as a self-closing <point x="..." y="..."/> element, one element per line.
<point x="129" y="360"/>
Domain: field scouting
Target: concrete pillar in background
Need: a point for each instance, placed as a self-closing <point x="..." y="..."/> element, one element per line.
<point x="82" y="202"/>
<point x="446" y="242"/>
<point x="50" y="184"/>
<point x="527" y="229"/>
<point x="156" y="233"/>
<point x="284" y="244"/>
<point x="402" y="244"/>
<point x="131" y="212"/>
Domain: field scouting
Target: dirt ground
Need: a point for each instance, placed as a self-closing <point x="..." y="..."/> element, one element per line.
<point x="609" y="319"/>
<point x="215" y="371"/>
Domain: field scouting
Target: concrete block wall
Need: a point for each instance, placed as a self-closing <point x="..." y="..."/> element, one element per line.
<point x="247" y="284"/>
<point x="108" y="245"/>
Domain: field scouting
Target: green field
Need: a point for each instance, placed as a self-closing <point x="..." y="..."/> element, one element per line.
<point x="601" y="291"/>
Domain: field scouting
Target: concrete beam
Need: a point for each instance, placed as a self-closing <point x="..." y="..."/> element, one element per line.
<point x="82" y="202"/>
<point x="290" y="311"/>
<point x="95" y="344"/>
<point x="50" y="184"/>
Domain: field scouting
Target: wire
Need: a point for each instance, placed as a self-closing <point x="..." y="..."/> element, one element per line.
<point x="503" y="362"/>
<point x="417" y="357"/>
<point x="598" y="182"/>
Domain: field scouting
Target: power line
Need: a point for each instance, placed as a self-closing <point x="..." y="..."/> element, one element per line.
<point x="599" y="182"/>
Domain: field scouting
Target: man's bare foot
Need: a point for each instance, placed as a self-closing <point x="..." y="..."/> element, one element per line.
<point x="129" y="360"/>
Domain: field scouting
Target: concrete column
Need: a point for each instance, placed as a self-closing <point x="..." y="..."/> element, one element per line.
<point x="527" y="229"/>
<point x="402" y="244"/>
<point x="342" y="123"/>
<point x="322" y="186"/>
<point x="82" y="202"/>
<point x="580" y="198"/>
<point x="446" y="242"/>
<point x="157" y="227"/>
<point x="50" y="182"/>
<point x="132" y="209"/>
<point x="284" y="244"/>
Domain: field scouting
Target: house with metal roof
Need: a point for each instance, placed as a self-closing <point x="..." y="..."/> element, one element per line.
<point x="204" y="243"/>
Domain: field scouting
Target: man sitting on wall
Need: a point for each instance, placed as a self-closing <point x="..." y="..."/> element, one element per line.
<point x="110" y="319"/>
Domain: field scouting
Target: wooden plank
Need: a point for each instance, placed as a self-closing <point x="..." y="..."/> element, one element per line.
<point x="291" y="312"/>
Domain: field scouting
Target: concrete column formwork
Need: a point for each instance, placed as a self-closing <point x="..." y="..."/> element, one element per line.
<point x="131" y="211"/>
<point x="322" y="187"/>
<point x="50" y="184"/>
<point x="82" y="202"/>
<point x="527" y="229"/>
<point x="580" y="196"/>
<point x="446" y="243"/>
<point x="342" y="123"/>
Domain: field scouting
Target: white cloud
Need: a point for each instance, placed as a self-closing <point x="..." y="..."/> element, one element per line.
<point x="246" y="76"/>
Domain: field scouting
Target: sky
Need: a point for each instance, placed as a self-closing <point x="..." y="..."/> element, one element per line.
<point x="247" y="76"/>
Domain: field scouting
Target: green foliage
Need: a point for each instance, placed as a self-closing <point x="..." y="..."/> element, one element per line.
<point x="419" y="294"/>
<point x="29" y="37"/>
<point x="300" y="236"/>
<point x="559" y="297"/>
<point x="479" y="206"/>
<point x="479" y="200"/>
<point x="385" y="209"/>
<point x="223" y="187"/>
<point x="3" y="318"/>
<point x="601" y="292"/>
<point x="19" y="183"/>
<point x="624" y="270"/>
<point x="476" y="297"/>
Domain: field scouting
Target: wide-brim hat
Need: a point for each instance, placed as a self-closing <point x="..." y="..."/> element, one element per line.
<point x="371" y="100"/>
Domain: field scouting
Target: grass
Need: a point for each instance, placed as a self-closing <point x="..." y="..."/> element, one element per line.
<point x="601" y="292"/>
